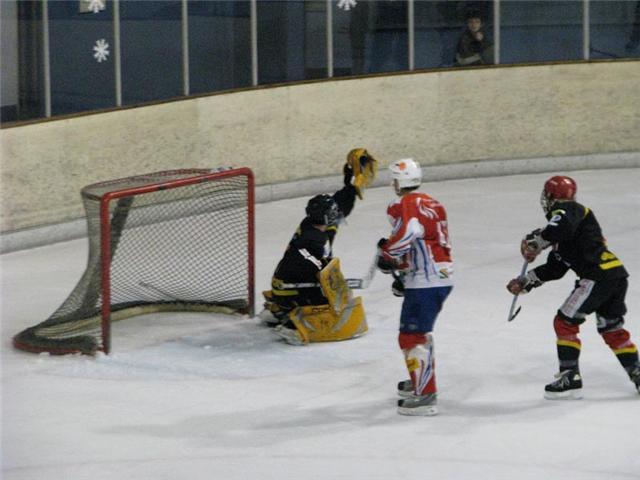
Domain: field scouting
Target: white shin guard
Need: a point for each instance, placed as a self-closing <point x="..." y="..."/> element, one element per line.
<point x="419" y="361"/>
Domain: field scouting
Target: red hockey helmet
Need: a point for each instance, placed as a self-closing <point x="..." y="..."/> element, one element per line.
<point x="558" y="188"/>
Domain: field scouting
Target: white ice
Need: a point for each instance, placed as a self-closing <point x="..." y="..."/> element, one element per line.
<point x="195" y="396"/>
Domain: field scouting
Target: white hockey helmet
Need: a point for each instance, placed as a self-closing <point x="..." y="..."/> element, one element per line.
<point x="405" y="173"/>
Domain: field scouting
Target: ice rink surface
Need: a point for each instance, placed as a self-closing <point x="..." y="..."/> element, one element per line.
<point x="196" y="396"/>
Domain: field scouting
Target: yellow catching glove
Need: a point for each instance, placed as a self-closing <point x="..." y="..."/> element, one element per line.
<point x="364" y="168"/>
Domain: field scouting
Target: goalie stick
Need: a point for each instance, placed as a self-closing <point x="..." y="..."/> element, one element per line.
<point x="513" y="315"/>
<point x="361" y="283"/>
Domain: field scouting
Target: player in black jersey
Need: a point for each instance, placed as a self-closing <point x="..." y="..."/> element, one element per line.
<point x="295" y="281"/>
<point x="576" y="242"/>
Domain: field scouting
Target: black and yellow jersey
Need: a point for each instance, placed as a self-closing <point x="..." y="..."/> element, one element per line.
<point x="310" y="249"/>
<point x="577" y="244"/>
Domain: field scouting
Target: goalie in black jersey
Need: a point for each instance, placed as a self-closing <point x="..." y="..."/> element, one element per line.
<point x="305" y="302"/>
<point x="576" y="242"/>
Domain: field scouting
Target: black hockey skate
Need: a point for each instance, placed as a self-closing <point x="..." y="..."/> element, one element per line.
<point x="567" y="386"/>
<point x="423" y="405"/>
<point x="634" y="375"/>
<point x="405" y="389"/>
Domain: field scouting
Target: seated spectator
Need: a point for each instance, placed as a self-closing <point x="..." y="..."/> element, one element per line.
<point x="474" y="48"/>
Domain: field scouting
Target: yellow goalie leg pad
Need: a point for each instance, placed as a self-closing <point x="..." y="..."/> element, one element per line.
<point x="341" y="319"/>
<point x="365" y="169"/>
<point x="334" y="286"/>
<point x="319" y="323"/>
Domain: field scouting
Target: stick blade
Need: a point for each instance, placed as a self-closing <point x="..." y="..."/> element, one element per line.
<point x="515" y="314"/>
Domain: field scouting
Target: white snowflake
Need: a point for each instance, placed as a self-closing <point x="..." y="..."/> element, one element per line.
<point x="346" y="5"/>
<point x="101" y="50"/>
<point x="96" y="6"/>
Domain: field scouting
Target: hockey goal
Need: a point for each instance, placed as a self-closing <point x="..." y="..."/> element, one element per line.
<point x="180" y="240"/>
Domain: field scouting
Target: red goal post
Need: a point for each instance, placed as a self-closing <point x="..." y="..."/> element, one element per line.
<point x="178" y="240"/>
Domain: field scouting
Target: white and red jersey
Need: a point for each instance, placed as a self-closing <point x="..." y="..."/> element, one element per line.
<point x="420" y="239"/>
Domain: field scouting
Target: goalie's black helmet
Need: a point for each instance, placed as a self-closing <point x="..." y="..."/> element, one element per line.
<point x="323" y="210"/>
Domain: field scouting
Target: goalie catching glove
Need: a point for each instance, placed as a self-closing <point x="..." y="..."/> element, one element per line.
<point x="360" y="170"/>
<point x="524" y="284"/>
<point x="532" y="244"/>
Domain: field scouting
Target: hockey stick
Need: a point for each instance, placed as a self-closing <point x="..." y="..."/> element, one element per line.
<point x="361" y="283"/>
<point x="513" y="315"/>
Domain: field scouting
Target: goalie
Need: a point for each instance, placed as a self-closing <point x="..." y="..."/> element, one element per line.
<point x="309" y="300"/>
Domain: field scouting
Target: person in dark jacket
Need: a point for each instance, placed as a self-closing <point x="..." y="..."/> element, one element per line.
<point x="577" y="243"/>
<point x="474" y="47"/>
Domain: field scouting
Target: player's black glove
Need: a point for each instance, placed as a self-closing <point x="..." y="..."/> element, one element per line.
<point x="384" y="263"/>
<point x="397" y="287"/>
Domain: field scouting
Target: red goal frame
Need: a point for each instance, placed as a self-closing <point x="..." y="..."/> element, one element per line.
<point x="105" y="235"/>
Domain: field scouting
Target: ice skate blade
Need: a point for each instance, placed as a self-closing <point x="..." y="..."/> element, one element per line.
<point x="575" y="394"/>
<point x="424" y="411"/>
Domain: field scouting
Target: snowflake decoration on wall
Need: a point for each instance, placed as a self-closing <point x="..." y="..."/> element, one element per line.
<point x="346" y="5"/>
<point x="91" y="6"/>
<point x="101" y="50"/>
<point x="96" y="6"/>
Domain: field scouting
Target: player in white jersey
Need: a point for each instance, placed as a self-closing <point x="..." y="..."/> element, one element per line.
<point x="418" y="253"/>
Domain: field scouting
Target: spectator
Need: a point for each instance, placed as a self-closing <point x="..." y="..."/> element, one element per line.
<point x="474" y="48"/>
